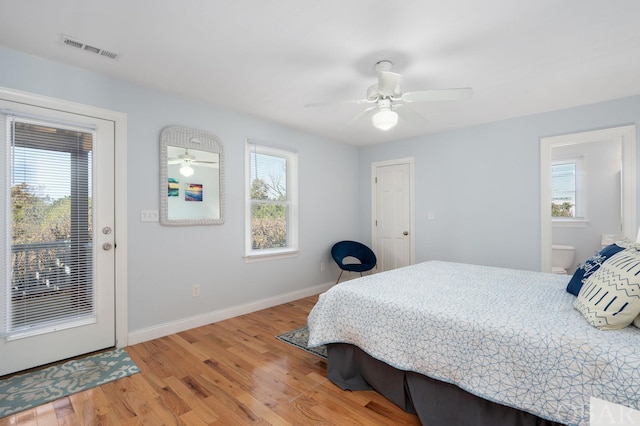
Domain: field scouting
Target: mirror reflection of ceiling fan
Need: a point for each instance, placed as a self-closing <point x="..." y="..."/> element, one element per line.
<point x="187" y="160"/>
<point x="387" y="101"/>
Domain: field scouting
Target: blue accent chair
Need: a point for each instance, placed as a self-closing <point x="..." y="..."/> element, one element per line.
<point x="352" y="249"/>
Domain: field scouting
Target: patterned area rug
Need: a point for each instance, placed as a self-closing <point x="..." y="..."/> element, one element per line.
<point x="299" y="339"/>
<point x="28" y="390"/>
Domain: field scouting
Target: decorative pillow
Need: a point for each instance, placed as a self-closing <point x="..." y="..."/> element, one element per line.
<point x="592" y="265"/>
<point x="610" y="297"/>
<point x="636" y="321"/>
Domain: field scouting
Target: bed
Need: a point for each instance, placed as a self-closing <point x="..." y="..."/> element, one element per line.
<point x="467" y="344"/>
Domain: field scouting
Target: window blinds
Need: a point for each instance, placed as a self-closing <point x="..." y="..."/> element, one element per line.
<point x="47" y="242"/>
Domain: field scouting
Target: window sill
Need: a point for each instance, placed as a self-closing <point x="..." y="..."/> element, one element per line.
<point x="569" y="223"/>
<point x="272" y="254"/>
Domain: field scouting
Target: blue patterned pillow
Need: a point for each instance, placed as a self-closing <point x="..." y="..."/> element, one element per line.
<point x="592" y="265"/>
<point x="610" y="297"/>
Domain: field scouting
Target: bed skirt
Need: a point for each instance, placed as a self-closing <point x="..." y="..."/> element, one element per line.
<point x="435" y="403"/>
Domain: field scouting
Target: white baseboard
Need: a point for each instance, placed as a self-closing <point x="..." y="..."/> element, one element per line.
<point x="149" y="333"/>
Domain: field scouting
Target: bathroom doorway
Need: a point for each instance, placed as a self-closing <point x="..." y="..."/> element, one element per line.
<point x="612" y="190"/>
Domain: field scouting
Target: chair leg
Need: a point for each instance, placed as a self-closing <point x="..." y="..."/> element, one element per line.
<point x="339" y="276"/>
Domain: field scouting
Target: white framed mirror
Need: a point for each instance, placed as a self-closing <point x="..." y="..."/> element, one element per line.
<point x="191" y="177"/>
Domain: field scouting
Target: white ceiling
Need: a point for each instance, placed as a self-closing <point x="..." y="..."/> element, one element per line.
<point x="271" y="57"/>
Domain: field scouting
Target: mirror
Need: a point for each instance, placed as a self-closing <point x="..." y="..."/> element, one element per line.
<point x="191" y="177"/>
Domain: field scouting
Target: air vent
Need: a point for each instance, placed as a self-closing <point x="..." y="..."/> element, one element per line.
<point x="72" y="43"/>
<point x="68" y="41"/>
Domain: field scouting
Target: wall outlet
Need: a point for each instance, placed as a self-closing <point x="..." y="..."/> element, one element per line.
<point x="323" y="267"/>
<point x="149" y="215"/>
<point x="195" y="290"/>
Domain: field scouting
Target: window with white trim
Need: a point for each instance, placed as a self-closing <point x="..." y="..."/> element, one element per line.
<point x="567" y="189"/>
<point x="271" y="185"/>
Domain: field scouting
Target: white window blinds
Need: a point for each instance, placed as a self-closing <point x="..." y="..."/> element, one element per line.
<point x="48" y="234"/>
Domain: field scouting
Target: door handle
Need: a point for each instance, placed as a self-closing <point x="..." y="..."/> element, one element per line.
<point x="405" y="233"/>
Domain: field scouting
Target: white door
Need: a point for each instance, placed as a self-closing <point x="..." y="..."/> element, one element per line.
<point x="393" y="214"/>
<point x="58" y="263"/>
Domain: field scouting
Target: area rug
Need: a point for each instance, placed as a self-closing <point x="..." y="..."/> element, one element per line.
<point x="299" y="338"/>
<point x="28" y="390"/>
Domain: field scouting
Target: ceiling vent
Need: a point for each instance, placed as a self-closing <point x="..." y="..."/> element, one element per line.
<point x="66" y="40"/>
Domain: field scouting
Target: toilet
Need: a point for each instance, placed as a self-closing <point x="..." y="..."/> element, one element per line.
<point x="561" y="258"/>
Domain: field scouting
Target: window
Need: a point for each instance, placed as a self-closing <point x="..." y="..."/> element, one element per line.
<point x="567" y="189"/>
<point x="272" y="202"/>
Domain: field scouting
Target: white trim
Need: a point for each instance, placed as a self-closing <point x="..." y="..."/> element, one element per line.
<point x="626" y="134"/>
<point x="120" y="121"/>
<point x="155" y="332"/>
<point x="569" y="223"/>
<point x="411" y="162"/>
<point x="271" y="254"/>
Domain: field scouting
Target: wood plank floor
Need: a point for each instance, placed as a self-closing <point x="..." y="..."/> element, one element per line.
<point x="233" y="372"/>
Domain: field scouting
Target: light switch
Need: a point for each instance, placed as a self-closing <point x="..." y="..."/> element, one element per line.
<point x="149" y="215"/>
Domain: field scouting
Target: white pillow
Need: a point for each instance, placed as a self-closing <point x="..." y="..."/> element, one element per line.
<point x="610" y="297"/>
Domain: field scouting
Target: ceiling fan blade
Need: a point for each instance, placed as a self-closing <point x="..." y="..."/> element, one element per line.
<point x="204" y="162"/>
<point x="357" y="117"/>
<point x="174" y="161"/>
<point x="388" y="83"/>
<point x="459" y="94"/>
<point x="408" y="115"/>
<point x="328" y="103"/>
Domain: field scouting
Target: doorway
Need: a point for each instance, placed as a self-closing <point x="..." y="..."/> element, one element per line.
<point x="392" y="196"/>
<point x="624" y="136"/>
<point x="58" y="240"/>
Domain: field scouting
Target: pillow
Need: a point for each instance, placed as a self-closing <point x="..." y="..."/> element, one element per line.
<point x="592" y="265"/>
<point x="636" y="321"/>
<point x="610" y="297"/>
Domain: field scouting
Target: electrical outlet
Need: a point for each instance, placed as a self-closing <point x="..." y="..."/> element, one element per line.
<point x="149" y="215"/>
<point x="195" y="290"/>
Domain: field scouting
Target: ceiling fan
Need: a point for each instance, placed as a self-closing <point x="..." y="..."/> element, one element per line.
<point x="388" y="101"/>
<point x="187" y="160"/>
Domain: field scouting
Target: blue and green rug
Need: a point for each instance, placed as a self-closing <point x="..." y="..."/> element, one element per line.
<point x="299" y="338"/>
<point x="24" y="391"/>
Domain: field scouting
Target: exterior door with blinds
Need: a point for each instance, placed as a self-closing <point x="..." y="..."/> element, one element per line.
<point x="57" y="252"/>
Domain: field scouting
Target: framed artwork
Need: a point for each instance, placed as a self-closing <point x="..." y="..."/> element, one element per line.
<point x="173" y="188"/>
<point x="193" y="192"/>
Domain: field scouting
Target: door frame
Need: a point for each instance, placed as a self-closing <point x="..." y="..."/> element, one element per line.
<point x="120" y="184"/>
<point x="374" y="232"/>
<point x="627" y="135"/>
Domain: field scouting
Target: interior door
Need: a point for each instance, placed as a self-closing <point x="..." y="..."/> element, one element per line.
<point x="58" y="263"/>
<point x="393" y="228"/>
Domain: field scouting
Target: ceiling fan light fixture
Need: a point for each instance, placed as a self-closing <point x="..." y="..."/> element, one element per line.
<point x="385" y="119"/>
<point x="186" y="170"/>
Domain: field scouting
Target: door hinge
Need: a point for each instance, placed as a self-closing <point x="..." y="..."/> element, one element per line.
<point x="375" y="179"/>
<point x="376" y="222"/>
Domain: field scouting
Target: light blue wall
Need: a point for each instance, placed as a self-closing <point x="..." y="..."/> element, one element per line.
<point x="483" y="184"/>
<point x="164" y="262"/>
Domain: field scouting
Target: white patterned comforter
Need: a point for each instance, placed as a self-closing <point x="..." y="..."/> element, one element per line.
<point x="505" y="335"/>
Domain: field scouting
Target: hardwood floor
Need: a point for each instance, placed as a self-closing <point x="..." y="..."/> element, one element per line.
<point x="233" y="372"/>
